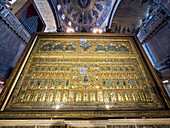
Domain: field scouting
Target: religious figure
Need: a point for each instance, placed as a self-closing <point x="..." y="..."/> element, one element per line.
<point x="85" y="80"/>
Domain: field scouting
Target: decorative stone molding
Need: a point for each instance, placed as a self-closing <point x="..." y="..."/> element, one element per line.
<point x="148" y="29"/>
<point x="165" y="4"/>
<point x="107" y="123"/>
<point x="14" y="23"/>
<point x="4" y="1"/>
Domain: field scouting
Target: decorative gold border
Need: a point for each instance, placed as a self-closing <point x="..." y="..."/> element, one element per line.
<point x="79" y="114"/>
<point x="86" y="114"/>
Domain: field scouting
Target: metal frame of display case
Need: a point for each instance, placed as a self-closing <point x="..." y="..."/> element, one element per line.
<point x="82" y="113"/>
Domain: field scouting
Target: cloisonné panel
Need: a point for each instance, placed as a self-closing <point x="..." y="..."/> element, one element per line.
<point x="84" y="72"/>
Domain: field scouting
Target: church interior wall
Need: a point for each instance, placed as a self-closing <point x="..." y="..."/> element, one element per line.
<point x="10" y="45"/>
<point x="158" y="48"/>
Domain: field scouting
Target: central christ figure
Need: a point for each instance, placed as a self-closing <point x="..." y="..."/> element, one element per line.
<point x="85" y="79"/>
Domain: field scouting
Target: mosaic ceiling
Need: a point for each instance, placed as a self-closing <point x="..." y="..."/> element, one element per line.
<point x="128" y="16"/>
<point x="79" y="14"/>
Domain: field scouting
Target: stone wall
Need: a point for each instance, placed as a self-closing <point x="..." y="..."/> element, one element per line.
<point x="158" y="50"/>
<point x="10" y="45"/>
<point x="154" y="36"/>
<point x="13" y="39"/>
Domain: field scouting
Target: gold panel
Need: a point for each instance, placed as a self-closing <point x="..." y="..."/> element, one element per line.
<point x="84" y="72"/>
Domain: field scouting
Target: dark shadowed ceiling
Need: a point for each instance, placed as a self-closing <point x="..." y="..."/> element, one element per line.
<point x="130" y="15"/>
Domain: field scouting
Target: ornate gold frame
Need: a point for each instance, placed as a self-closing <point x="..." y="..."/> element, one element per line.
<point x="66" y="113"/>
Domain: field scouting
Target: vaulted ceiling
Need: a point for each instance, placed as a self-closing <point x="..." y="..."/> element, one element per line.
<point x="130" y="14"/>
<point x="79" y="14"/>
<point x="121" y="16"/>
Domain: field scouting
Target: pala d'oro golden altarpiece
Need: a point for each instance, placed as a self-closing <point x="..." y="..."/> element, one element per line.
<point x="84" y="75"/>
